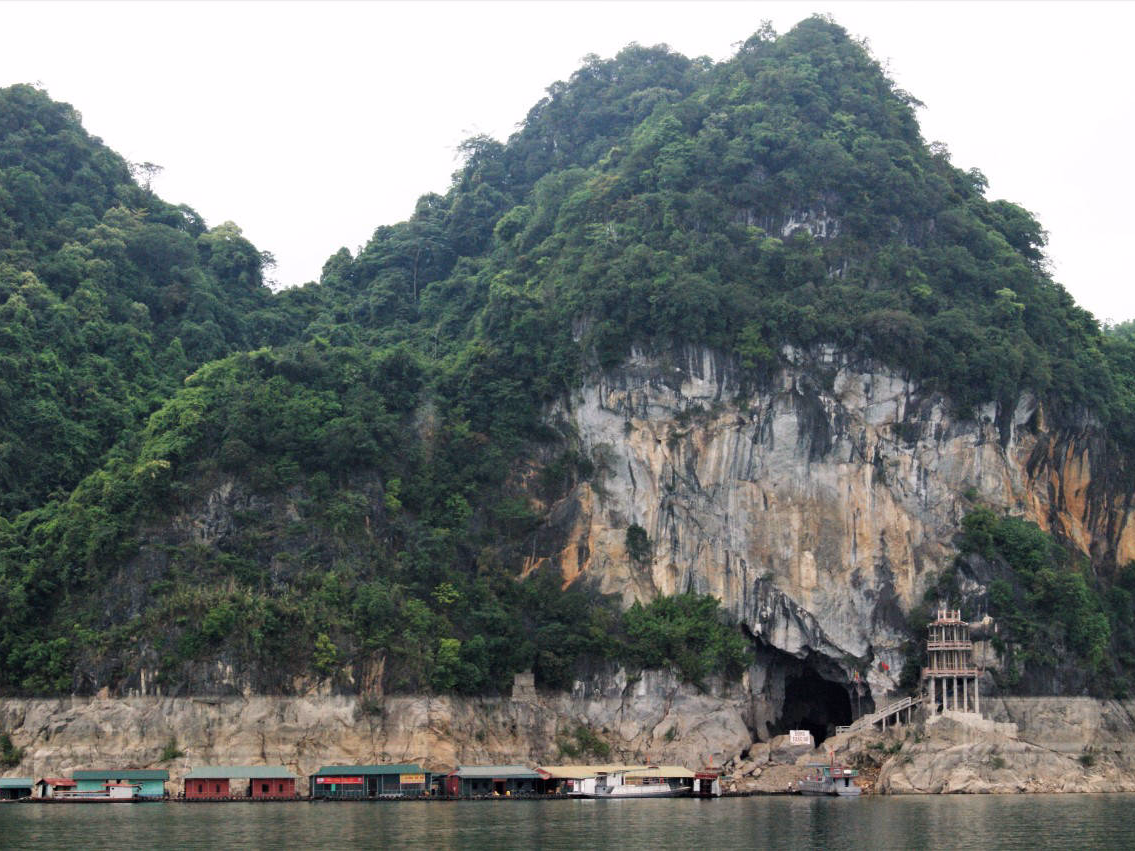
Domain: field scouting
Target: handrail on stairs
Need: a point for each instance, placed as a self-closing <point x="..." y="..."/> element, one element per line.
<point x="878" y="715"/>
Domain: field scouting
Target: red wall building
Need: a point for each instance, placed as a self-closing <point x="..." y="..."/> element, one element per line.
<point x="240" y="781"/>
<point x="274" y="787"/>
<point x="207" y="788"/>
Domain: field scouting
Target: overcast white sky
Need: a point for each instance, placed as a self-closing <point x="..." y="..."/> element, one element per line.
<point x="311" y="124"/>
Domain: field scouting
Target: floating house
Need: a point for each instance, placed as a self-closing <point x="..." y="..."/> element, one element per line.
<point x="14" y="788"/>
<point x="351" y="782"/>
<point x="473" y="781"/>
<point x="108" y="792"/>
<point x="151" y="782"/>
<point x="252" y="781"/>
<point x="67" y="789"/>
<point x="707" y="783"/>
<point x="577" y="779"/>
<point x="47" y="786"/>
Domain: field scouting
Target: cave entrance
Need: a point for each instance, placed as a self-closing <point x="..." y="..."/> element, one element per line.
<point x="814" y="704"/>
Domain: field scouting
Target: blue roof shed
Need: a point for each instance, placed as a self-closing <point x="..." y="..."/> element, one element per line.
<point x="484" y="780"/>
<point x="12" y="788"/>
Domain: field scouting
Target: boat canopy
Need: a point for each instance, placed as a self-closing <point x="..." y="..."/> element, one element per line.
<point x="582" y="772"/>
<point x="662" y="771"/>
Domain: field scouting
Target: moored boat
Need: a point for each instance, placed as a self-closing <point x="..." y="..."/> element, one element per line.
<point x="651" y="782"/>
<point x="831" y="779"/>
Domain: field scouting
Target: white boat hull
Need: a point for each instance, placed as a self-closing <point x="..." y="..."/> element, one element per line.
<point x="654" y="791"/>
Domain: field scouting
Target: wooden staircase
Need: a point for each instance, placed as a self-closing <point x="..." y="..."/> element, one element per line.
<point x="892" y="713"/>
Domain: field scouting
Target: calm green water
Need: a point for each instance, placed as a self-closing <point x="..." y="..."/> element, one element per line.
<point x="978" y="822"/>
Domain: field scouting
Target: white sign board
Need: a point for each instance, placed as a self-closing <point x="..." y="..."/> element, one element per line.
<point x="799" y="737"/>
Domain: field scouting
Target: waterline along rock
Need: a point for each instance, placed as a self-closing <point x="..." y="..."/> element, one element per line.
<point x="651" y="719"/>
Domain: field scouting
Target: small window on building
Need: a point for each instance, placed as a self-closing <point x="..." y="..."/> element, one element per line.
<point x="218" y="788"/>
<point x="264" y="788"/>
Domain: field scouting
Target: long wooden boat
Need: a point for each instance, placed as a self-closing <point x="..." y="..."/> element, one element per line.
<point x="654" y="790"/>
<point x="643" y="783"/>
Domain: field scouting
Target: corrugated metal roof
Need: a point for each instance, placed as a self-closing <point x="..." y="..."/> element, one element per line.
<point x="122" y="774"/>
<point x="397" y="768"/>
<point x="242" y="772"/>
<point x="519" y="772"/>
<point x="581" y="772"/>
<point x="16" y="782"/>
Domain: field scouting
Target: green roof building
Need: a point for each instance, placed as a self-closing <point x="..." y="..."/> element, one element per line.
<point x="474" y="781"/>
<point x="214" y="782"/>
<point x="241" y="772"/>
<point x="398" y="780"/>
<point x="13" y="788"/>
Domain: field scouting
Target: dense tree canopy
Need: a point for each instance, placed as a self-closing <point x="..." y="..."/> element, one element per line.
<point x="108" y="298"/>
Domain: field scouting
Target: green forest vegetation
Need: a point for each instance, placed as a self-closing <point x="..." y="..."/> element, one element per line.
<point x="143" y="361"/>
<point x="1055" y="618"/>
<point x="1053" y="612"/>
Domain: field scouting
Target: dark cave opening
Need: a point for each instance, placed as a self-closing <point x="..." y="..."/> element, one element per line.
<point x="814" y="704"/>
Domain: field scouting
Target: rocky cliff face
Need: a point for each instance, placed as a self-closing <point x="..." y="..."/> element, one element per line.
<point x="652" y="718"/>
<point x="819" y="508"/>
<point x="1027" y="745"/>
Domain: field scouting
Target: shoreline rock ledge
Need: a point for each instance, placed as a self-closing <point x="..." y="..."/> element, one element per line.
<point x="1023" y="745"/>
<point x="652" y="718"/>
<point x="1026" y="745"/>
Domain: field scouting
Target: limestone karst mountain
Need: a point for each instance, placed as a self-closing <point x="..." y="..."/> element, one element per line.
<point x="696" y="329"/>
